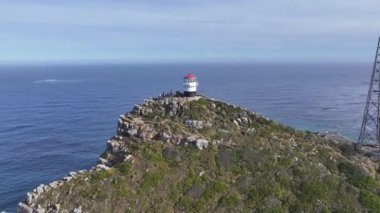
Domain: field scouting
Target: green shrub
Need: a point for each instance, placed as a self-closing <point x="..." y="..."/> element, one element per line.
<point x="219" y="186"/>
<point x="100" y="194"/>
<point x="100" y="175"/>
<point x="239" y="170"/>
<point x="214" y="188"/>
<point x="173" y="163"/>
<point x="356" y="176"/>
<point x="123" y="192"/>
<point x="120" y="186"/>
<point x="124" y="168"/>
<point x="175" y="193"/>
<point x="253" y="198"/>
<point x="363" y="183"/>
<point x="153" y="156"/>
<point x="370" y="200"/>
<point x="150" y="179"/>
<point x="284" y="161"/>
<point x="350" y="169"/>
<point x="324" y="157"/>
<point x="229" y="201"/>
<point x="192" y="180"/>
<point x="86" y="193"/>
<point x="185" y="203"/>
<point x="314" y="190"/>
<point x="198" y="109"/>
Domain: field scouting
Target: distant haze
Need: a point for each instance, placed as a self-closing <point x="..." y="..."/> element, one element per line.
<point x="188" y="31"/>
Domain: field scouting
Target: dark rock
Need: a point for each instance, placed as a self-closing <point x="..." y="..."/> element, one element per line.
<point x="196" y="191"/>
<point x="171" y="153"/>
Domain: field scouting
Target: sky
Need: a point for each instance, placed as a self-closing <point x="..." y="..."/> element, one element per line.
<point x="188" y="30"/>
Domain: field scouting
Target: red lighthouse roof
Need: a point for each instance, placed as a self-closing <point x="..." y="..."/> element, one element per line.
<point x="190" y="76"/>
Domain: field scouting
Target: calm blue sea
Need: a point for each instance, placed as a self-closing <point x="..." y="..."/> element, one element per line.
<point x="55" y="119"/>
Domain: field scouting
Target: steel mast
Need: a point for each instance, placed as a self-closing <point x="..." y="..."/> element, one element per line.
<point x="370" y="130"/>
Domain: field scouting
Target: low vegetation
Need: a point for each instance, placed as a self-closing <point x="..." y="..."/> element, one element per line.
<point x="263" y="166"/>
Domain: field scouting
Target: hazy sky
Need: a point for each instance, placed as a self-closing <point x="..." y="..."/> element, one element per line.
<point x="188" y="30"/>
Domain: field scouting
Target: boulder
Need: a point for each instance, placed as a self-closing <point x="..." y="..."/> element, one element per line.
<point x="245" y="120"/>
<point x="53" y="208"/>
<point x="143" y="135"/>
<point x="29" y="198"/>
<point x="251" y="130"/>
<point x="216" y="142"/>
<point x="101" y="166"/>
<point x="101" y="160"/>
<point x="238" y="120"/>
<point x="335" y="137"/>
<point x="40" y="189"/>
<point x="77" y="210"/>
<point x="128" y="158"/>
<point x="23" y="208"/>
<point x="201" y="143"/>
<point x="67" y="178"/>
<point x="193" y="124"/>
<point x="39" y="209"/>
<point x="54" y="184"/>
<point x="176" y="139"/>
<point x="191" y="139"/>
<point x="132" y="132"/>
<point x="46" y="188"/>
<point x="116" y="147"/>
<point x="165" y="137"/>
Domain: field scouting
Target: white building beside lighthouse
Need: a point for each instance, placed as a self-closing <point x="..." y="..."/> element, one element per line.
<point x="190" y="83"/>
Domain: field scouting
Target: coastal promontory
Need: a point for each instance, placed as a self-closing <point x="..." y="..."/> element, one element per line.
<point x="196" y="154"/>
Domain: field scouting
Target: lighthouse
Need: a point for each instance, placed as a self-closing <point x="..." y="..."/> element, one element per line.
<point x="190" y="83"/>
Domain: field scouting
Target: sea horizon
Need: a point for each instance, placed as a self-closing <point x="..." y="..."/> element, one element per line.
<point x="157" y="62"/>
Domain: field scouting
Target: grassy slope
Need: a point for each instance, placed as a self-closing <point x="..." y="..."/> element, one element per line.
<point x="274" y="168"/>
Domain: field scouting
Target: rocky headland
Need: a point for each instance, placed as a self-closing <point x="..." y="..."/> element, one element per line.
<point x="177" y="154"/>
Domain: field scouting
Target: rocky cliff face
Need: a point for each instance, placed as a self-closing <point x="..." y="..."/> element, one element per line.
<point x="174" y="154"/>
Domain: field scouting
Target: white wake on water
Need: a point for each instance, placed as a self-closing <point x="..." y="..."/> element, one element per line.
<point x="57" y="81"/>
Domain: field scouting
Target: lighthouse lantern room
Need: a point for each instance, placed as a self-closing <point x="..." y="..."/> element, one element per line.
<point x="190" y="83"/>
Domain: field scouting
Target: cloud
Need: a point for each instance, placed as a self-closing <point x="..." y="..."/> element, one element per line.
<point x="194" y="30"/>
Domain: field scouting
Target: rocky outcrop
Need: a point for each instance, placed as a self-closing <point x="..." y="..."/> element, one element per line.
<point x="178" y="154"/>
<point x="130" y="126"/>
<point x="30" y="202"/>
<point x="196" y="124"/>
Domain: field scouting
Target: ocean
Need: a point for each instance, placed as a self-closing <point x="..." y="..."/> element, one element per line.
<point x="56" y="118"/>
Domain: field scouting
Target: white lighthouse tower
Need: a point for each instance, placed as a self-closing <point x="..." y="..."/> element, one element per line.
<point x="190" y="83"/>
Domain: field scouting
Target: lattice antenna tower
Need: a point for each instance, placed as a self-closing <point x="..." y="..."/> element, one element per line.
<point x="370" y="130"/>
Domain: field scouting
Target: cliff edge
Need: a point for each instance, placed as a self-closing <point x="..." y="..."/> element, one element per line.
<point x="176" y="154"/>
